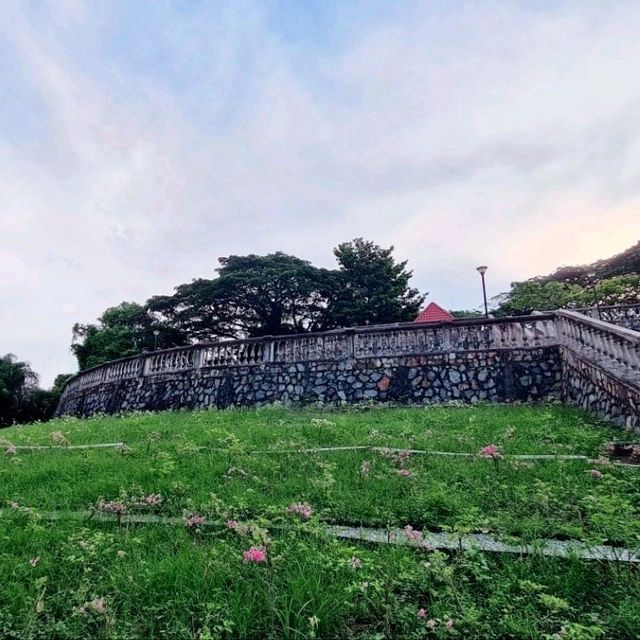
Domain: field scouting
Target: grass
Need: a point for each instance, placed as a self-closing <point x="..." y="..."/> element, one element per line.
<point x="159" y="580"/>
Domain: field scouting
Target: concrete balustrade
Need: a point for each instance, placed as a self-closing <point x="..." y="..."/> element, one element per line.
<point x="562" y="355"/>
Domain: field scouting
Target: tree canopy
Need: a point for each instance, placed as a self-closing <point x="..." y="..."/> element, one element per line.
<point x="124" y="330"/>
<point x="16" y="380"/>
<point x="372" y="288"/>
<point x="254" y="296"/>
<point x="21" y="400"/>
<point x="538" y="295"/>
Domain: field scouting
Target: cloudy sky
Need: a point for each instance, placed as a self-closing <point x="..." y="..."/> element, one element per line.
<point x="140" y="141"/>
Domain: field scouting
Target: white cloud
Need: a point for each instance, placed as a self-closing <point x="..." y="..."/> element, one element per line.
<point x="151" y="143"/>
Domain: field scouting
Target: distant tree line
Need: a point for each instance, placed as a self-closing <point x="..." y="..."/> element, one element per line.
<point x="21" y="399"/>
<point x="539" y="295"/>
<point x="253" y="296"/>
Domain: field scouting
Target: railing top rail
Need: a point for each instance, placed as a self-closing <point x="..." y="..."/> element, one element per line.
<point x="463" y="322"/>
<point x="609" y="307"/>
<point x="601" y="325"/>
<point x="366" y="329"/>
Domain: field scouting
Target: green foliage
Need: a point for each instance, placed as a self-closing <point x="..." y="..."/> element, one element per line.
<point x="536" y="295"/>
<point x="466" y="314"/>
<point x="372" y="288"/>
<point x="256" y="296"/>
<point x="122" y="331"/>
<point x="17" y="382"/>
<point x="21" y="400"/>
<point x="612" y="291"/>
<point x="615" y="281"/>
<point x="252" y="296"/>
<point x="528" y="296"/>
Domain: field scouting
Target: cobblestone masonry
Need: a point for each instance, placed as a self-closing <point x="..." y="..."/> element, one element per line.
<point x="598" y="392"/>
<point x="469" y="376"/>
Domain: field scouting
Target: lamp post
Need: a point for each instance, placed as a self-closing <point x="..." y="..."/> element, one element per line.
<point x="592" y="283"/>
<point x="156" y="333"/>
<point x="482" y="270"/>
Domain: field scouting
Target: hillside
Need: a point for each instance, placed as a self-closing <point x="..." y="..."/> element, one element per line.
<point x="625" y="263"/>
<point x="230" y="524"/>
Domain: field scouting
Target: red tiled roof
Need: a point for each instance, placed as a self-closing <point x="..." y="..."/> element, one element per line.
<point x="434" y="313"/>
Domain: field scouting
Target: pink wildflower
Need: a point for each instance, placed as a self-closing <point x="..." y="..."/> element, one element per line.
<point x="412" y="534"/>
<point x="153" y="499"/>
<point x="365" y="468"/>
<point x="431" y="623"/>
<point x="594" y="473"/>
<point x="490" y="451"/>
<point x="194" y="520"/>
<point x="422" y="613"/>
<point x="97" y="606"/>
<point x="301" y="509"/>
<point x="11" y="450"/>
<point x="34" y="561"/>
<point x="232" y="524"/>
<point x="58" y="437"/>
<point x="117" y="508"/>
<point x="449" y="624"/>
<point x="405" y="473"/>
<point x="355" y="563"/>
<point x="255" y="554"/>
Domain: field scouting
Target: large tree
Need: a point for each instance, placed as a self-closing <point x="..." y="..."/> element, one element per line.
<point x="252" y="296"/>
<point x="372" y="288"/>
<point x="256" y="296"/>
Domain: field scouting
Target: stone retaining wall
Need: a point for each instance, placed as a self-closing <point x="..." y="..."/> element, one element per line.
<point x="591" y="388"/>
<point x="468" y="376"/>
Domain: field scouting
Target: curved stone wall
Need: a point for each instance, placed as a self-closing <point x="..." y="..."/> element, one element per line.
<point x="467" y="376"/>
<point x="565" y="355"/>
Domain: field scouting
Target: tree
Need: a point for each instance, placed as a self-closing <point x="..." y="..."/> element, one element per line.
<point x="16" y="381"/>
<point x="371" y="288"/>
<point x="252" y="296"/>
<point x="122" y="331"/>
<point x="466" y="314"/>
<point x="625" y="263"/>
<point x="612" y="291"/>
<point x="541" y="295"/>
<point x="255" y="296"/>
<point x="530" y="295"/>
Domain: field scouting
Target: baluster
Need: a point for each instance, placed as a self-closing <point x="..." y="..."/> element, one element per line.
<point x="523" y="334"/>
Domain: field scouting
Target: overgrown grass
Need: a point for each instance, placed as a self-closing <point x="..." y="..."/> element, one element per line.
<point x="191" y="582"/>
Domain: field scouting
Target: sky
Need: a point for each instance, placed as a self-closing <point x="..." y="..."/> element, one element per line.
<point x="140" y="141"/>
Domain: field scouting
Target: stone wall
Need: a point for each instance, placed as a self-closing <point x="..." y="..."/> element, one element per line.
<point x="469" y="376"/>
<point x="593" y="389"/>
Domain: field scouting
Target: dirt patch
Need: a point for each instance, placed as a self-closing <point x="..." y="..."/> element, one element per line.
<point x="627" y="452"/>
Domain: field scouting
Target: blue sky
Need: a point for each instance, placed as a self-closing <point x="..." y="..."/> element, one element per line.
<point x="140" y="141"/>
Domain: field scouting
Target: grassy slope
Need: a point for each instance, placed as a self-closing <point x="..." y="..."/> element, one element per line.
<point x="184" y="584"/>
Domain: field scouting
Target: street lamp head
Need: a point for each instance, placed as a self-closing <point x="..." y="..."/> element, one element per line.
<point x="156" y="332"/>
<point x="482" y="270"/>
